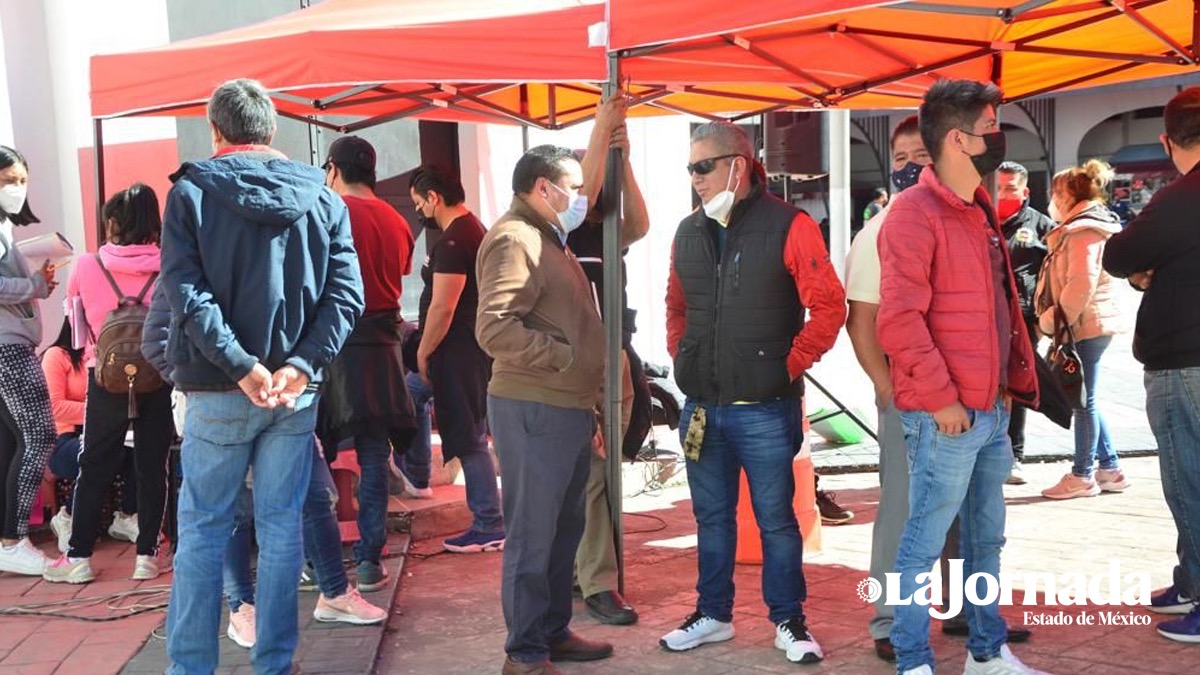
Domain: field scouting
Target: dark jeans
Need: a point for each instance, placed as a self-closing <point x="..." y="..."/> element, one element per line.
<point x="322" y="539"/>
<point x="372" y="497"/>
<point x="760" y="439"/>
<point x="415" y="459"/>
<point x="1016" y="421"/>
<point x="544" y="456"/>
<point x="64" y="464"/>
<point x="105" y="423"/>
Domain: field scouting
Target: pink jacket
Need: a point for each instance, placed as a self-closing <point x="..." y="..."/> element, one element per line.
<point x="131" y="266"/>
<point x="1076" y="276"/>
<point x="936" y="319"/>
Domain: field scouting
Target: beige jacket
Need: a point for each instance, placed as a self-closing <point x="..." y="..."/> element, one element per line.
<point x="537" y="315"/>
<point x="1076" y="277"/>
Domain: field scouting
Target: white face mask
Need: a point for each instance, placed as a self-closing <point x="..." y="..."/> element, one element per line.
<point x="12" y="198"/>
<point x="1055" y="214"/>
<point x="576" y="211"/>
<point x="721" y="205"/>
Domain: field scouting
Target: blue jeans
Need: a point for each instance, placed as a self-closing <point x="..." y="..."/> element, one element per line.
<point x="952" y="475"/>
<point x="235" y="572"/>
<point x="483" y="497"/>
<point x="1173" y="406"/>
<point x="415" y="460"/>
<point x="1092" y="439"/>
<point x="224" y="436"/>
<point x="322" y="539"/>
<point x="372" y="497"/>
<point x="761" y="439"/>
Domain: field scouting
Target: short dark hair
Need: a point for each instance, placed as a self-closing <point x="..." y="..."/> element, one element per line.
<point x="908" y="127"/>
<point x="953" y="104"/>
<point x="9" y="157"/>
<point x="879" y="192"/>
<point x="434" y="178"/>
<point x="1015" y="169"/>
<point x="135" y="212"/>
<point x="354" y="174"/>
<point x="243" y="112"/>
<point x="543" y="161"/>
<point x="1181" y="118"/>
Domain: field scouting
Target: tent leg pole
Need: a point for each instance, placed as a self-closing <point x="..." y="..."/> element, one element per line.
<point x="840" y="201"/>
<point x="98" y="169"/>
<point x="613" y="283"/>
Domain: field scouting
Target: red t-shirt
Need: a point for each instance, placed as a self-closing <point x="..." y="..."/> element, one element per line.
<point x="385" y="246"/>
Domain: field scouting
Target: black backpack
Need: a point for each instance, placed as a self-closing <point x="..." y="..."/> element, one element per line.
<point x="120" y="366"/>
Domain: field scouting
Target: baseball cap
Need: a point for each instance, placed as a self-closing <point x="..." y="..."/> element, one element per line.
<point x="352" y="150"/>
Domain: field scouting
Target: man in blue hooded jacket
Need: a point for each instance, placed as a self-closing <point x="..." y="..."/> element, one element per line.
<point x="263" y="282"/>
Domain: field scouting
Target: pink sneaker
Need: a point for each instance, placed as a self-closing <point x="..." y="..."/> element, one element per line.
<point x="1112" y="480"/>
<point x="349" y="607"/>
<point x="1072" y="486"/>
<point x="241" y="626"/>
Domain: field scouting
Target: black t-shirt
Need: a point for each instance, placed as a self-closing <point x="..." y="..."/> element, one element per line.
<point x="587" y="243"/>
<point x="454" y="253"/>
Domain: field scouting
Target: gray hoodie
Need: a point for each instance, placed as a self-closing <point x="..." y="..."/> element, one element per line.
<point x="19" y="292"/>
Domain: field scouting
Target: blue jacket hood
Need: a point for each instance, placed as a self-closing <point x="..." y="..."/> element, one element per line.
<point x="258" y="186"/>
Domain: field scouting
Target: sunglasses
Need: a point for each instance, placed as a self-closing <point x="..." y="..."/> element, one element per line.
<point x="706" y="166"/>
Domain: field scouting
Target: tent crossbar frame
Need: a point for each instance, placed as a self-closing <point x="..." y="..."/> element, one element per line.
<point x="1065" y="84"/>
<point x="868" y="85"/>
<point x="704" y="91"/>
<point x="322" y="103"/>
<point x="671" y="107"/>
<point x="1130" y="11"/>
<point x="770" y="58"/>
<point x="387" y="94"/>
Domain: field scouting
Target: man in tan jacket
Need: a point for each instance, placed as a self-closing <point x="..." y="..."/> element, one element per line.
<point x="538" y="320"/>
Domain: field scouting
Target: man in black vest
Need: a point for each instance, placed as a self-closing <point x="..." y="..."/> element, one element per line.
<point x="1024" y="227"/>
<point x="744" y="269"/>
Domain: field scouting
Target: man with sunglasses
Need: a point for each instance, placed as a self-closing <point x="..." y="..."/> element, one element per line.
<point x="950" y="323"/>
<point x="365" y="396"/>
<point x="745" y="270"/>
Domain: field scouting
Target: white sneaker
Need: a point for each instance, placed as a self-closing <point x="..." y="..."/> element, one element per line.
<point x="919" y="670"/>
<point x="64" y="571"/>
<point x="1004" y="664"/>
<point x="411" y="491"/>
<point x="124" y="527"/>
<point x="241" y="626"/>
<point x="22" y="558"/>
<point x="146" y="568"/>
<point x="697" y="630"/>
<point x="60" y="524"/>
<point x="1016" y="476"/>
<point x="793" y="637"/>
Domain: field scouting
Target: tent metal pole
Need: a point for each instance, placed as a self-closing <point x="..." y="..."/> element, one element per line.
<point x="840" y="202"/>
<point x="98" y="168"/>
<point x="613" y="284"/>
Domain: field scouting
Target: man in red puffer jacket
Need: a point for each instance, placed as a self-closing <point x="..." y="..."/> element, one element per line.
<point x="950" y="322"/>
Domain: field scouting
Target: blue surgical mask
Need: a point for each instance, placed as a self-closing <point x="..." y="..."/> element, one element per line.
<point x="576" y="211"/>
<point x="906" y="176"/>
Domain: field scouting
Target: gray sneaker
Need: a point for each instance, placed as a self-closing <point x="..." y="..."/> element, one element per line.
<point x="372" y="576"/>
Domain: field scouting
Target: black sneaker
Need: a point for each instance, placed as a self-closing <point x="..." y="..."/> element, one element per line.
<point x="831" y="513"/>
<point x="308" y="579"/>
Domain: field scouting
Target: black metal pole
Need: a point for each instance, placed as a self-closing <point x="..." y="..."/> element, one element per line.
<point x="613" y="283"/>
<point x="98" y="168"/>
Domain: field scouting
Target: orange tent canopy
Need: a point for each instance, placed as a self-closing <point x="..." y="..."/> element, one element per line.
<point x="528" y="61"/>
<point x="886" y="56"/>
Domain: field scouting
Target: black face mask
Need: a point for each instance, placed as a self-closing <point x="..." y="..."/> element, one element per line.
<point x="995" y="145"/>
<point x="907" y="176"/>
<point x="427" y="222"/>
